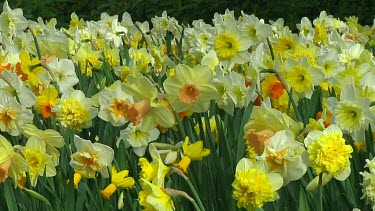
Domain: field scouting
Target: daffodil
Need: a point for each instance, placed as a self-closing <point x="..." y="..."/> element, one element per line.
<point x="155" y="171"/>
<point x="191" y="152"/>
<point x="12" y="114"/>
<point x="31" y="67"/>
<point x="230" y="44"/>
<point x="12" y="164"/>
<point x="75" y="111"/>
<point x="63" y="73"/>
<point x="253" y="186"/>
<point x="40" y="163"/>
<point x="12" y="21"/>
<point x="368" y="183"/>
<point x="191" y="89"/>
<point x="87" y="59"/>
<point x="283" y="155"/>
<point x="254" y="28"/>
<point x="351" y="114"/>
<point x="152" y="197"/>
<point x="51" y="139"/>
<point x="261" y="117"/>
<point x="149" y="108"/>
<point x="91" y="158"/>
<point x="114" y="105"/>
<point x="328" y="152"/>
<point x="138" y="138"/>
<point x="26" y="97"/>
<point x="46" y="101"/>
<point x="302" y="76"/>
<point x="119" y="180"/>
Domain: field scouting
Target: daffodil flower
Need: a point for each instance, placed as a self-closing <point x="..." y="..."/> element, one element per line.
<point x="91" y="158"/>
<point x="120" y="180"/>
<point x="193" y="151"/>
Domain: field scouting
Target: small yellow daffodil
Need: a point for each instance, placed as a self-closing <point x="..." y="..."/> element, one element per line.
<point x="120" y="180"/>
<point x="191" y="152"/>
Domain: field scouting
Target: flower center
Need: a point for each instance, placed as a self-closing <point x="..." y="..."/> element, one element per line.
<point x="7" y="116"/>
<point x="226" y="46"/>
<point x="276" y="89"/>
<point x="189" y="93"/>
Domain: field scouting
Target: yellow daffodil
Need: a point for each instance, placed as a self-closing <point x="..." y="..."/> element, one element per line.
<point x="152" y="197"/>
<point x="193" y="151"/>
<point x="46" y="101"/>
<point x="154" y="171"/>
<point x="253" y="186"/>
<point x="120" y="180"/>
<point x="75" y="111"/>
<point x="328" y="152"/>
<point x="39" y="161"/>
<point x="91" y="158"/>
<point x="51" y="139"/>
<point x="31" y="67"/>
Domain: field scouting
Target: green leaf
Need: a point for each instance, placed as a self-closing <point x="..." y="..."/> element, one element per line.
<point x="9" y="196"/>
<point x="303" y="205"/>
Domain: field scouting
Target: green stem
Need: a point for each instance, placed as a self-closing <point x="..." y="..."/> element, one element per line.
<point x="194" y="193"/>
<point x="196" y="196"/>
<point x="179" y="126"/>
<point x="36" y="43"/>
<point x="320" y="192"/>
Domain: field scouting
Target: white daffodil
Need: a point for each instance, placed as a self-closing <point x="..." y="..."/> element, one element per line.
<point x="254" y="28"/>
<point x="230" y="44"/>
<point x="283" y="155"/>
<point x="138" y="138"/>
<point x="351" y="114"/>
<point x="12" y="114"/>
<point x="114" y="105"/>
<point x="91" y="158"/>
<point x="63" y="72"/>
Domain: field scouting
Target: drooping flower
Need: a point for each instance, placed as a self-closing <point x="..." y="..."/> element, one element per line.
<point x="91" y="158"/>
<point x="75" y="111"/>
<point x="119" y="180"/>
<point x="155" y="171"/>
<point x="149" y="108"/>
<point x="253" y="186"/>
<point x="328" y="152"/>
<point x="191" y="89"/>
<point x="191" y="152"/>
<point x="152" y="197"/>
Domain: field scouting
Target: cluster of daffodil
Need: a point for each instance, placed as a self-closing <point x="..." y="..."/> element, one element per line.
<point x="239" y="106"/>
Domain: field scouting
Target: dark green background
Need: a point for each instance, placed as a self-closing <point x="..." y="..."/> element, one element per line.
<point x="187" y="10"/>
